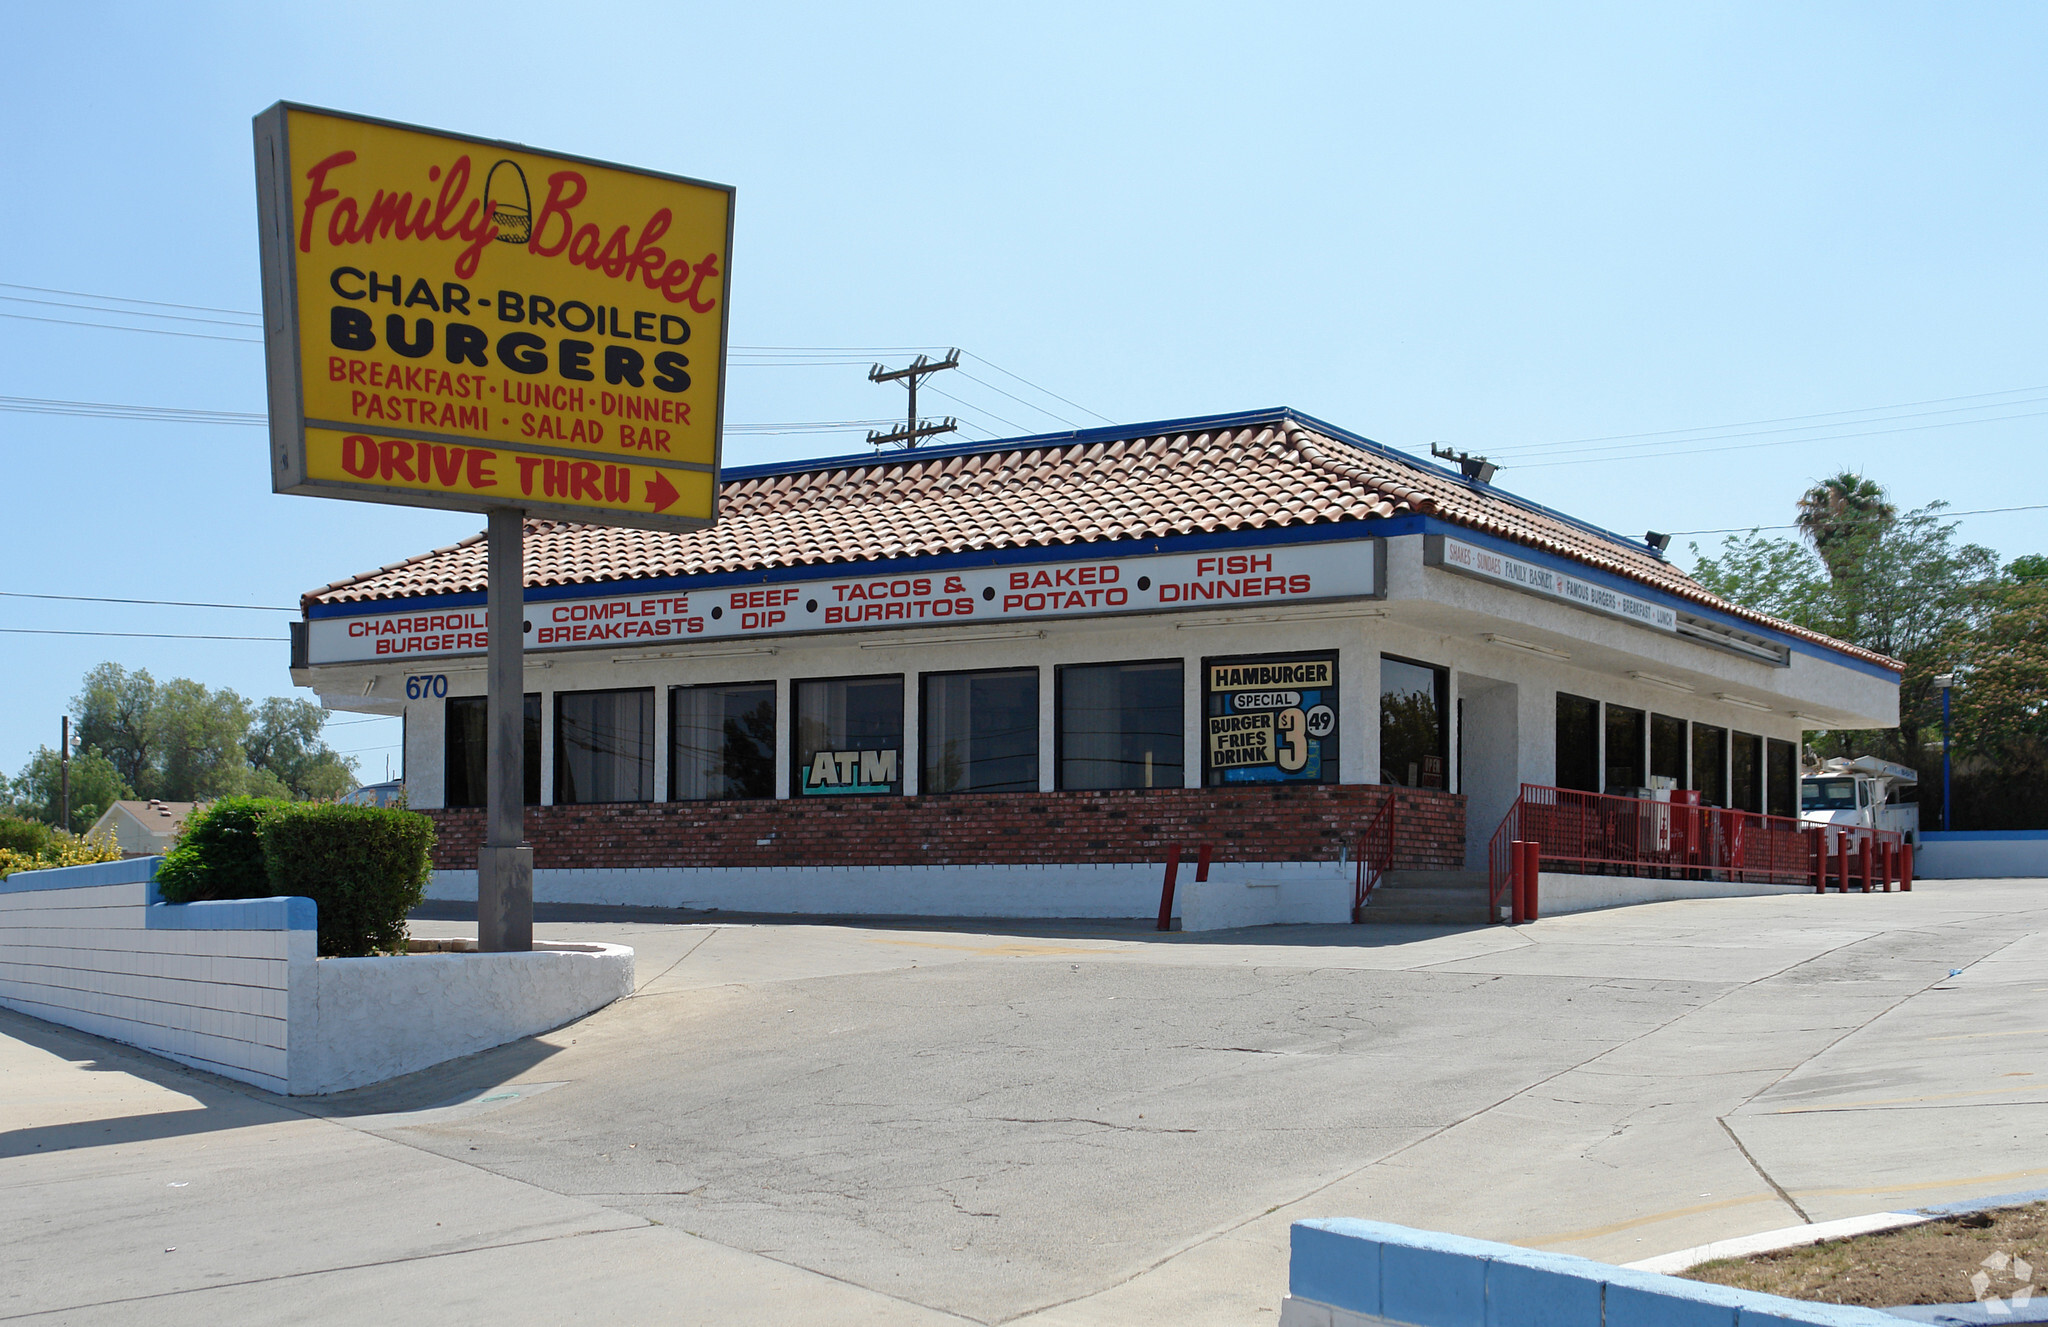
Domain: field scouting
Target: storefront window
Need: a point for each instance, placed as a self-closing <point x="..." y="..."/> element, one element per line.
<point x="604" y="746"/>
<point x="466" y="746"/>
<point x="980" y="732"/>
<point x="1710" y="763"/>
<point x="1121" y="725"/>
<point x="1415" y="706"/>
<point x="849" y="736"/>
<point x="1781" y="784"/>
<point x="1270" y="719"/>
<point x="721" y="742"/>
<point x="1667" y="749"/>
<point x="1624" y="750"/>
<point x="1746" y="754"/>
<point x="1578" y="743"/>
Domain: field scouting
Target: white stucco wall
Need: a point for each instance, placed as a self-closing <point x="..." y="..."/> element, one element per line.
<point x="236" y="988"/>
<point x="1427" y="614"/>
<point x="369" y="1019"/>
<point x="1559" y="893"/>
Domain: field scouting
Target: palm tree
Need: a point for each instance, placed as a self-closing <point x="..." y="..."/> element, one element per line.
<point x="1838" y="516"/>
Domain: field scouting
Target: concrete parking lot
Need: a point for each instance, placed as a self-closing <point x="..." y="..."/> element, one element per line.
<point x="1055" y="1124"/>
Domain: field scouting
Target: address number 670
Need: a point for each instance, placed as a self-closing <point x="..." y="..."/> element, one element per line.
<point x="426" y="685"/>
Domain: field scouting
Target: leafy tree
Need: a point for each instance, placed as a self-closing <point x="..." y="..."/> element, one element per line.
<point x="1898" y="584"/>
<point x="199" y="741"/>
<point x="2001" y="704"/>
<point x="115" y="711"/>
<point x="1836" y="512"/>
<point x="37" y="792"/>
<point x="285" y="744"/>
<point x="183" y="742"/>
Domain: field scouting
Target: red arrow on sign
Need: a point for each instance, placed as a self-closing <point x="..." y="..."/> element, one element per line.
<point x="660" y="492"/>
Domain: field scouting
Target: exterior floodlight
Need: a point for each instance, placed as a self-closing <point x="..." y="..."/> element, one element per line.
<point x="1944" y="681"/>
<point x="1657" y="542"/>
<point x="1475" y="468"/>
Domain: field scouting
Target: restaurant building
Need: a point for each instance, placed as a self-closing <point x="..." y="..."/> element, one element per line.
<point x="1003" y="678"/>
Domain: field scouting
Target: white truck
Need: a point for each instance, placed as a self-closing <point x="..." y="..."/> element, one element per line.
<point x="1866" y="791"/>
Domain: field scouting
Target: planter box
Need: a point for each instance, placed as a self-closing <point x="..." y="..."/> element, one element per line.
<point x="236" y="988"/>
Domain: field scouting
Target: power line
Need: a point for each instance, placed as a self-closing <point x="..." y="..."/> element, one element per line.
<point x="1942" y="515"/>
<point x="1020" y="400"/>
<point x="116" y="327"/>
<point x="1035" y="387"/>
<point x="1782" y="419"/>
<point x="166" y="414"/>
<point x="375" y="718"/>
<point x="137" y="635"/>
<point x="1783" y="442"/>
<point x="165" y="603"/>
<point x="126" y="313"/>
<point x="126" y="299"/>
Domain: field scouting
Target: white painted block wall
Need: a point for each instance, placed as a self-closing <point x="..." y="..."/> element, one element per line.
<point x="238" y="988"/>
<point x="208" y="991"/>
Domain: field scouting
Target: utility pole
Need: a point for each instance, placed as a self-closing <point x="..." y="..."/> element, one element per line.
<point x="919" y="369"/>
<point x="64" y="775"/>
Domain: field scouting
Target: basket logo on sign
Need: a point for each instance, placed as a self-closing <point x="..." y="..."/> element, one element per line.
<point x="514" y="220"/>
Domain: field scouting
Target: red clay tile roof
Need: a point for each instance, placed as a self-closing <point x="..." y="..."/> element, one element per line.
<point x="1040" y="493"/>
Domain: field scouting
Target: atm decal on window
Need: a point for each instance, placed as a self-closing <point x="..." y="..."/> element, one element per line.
<point x="1270" y="720"/>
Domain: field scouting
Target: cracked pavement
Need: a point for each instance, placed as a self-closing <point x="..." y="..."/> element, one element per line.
<point x="1056" y="1123"/>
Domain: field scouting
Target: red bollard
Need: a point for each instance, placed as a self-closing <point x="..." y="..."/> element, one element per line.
<point x="1905" y="868"/>
<point x="1819" y="839"/>
<point x="1202" y="864"/>
<point x="1532" y="878"/>
<point x="1166" y="890"/>
<point x="1869" y="863"/>
<point x="1886" y="866"/>
<point x="1518" y="897"/>
<point x="1842" y="881"/>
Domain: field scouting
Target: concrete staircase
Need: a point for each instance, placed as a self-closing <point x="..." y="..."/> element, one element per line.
<point x="1429" y="898"/>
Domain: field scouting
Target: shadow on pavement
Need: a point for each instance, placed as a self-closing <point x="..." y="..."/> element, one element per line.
<point x="223" y="1103"/>
<point x="1370" y="936"/>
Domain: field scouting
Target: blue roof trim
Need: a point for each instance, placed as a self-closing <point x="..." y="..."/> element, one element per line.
<point x="1983" y="835"/>
<point x="1327" y="531"/>
<point x="1318" y="533"/>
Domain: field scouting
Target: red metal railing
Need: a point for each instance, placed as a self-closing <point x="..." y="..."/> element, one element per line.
<point x="1375" y="854"/>
<point x="1598" y="834"/>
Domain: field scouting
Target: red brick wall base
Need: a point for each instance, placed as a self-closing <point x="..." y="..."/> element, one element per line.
<point x="1303" y="823"/>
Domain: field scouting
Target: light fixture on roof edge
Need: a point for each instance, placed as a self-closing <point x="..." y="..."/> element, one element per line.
<point x="1475" y="468"/>
<point x="1658" y="543"/>
<point x="1514" y="643"/>
<point x="1235" y="619"/>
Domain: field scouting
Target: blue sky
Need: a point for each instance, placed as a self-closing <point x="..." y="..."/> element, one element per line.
<point x="1741" y="246"/>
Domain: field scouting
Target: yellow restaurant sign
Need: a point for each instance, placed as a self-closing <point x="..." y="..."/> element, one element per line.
<point x="454" y="322"/>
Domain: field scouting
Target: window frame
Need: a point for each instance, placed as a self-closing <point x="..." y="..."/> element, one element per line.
<point x="797" y="766"/>
<point x="562" y="748"/>
<point x="924" y="729"/>
<point x="1059" y="709"/>
<point x="1332" y="764"/>
<point x="774" y="739"/>
<point x="1443" y="705"/>
<point x="534" y="728"/>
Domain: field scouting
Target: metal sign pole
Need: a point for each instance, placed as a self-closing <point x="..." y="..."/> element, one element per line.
<point x="504" y="867"/>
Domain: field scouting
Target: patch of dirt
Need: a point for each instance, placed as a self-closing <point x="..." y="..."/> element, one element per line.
<point x="1950" y="1261"/>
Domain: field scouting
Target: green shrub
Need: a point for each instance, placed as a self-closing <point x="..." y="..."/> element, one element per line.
<point x="218" y="855"/>
<point x="365" y="866"/>
<point x="30" y="838"/>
